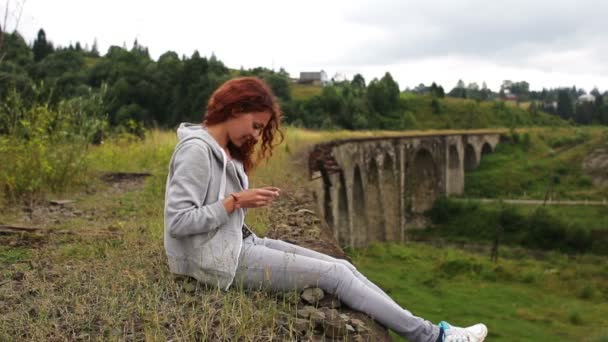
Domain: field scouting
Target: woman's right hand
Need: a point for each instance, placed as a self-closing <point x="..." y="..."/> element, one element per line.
<point x="258" y="197"/>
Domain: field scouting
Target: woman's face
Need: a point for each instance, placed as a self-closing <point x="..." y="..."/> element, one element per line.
<point x="247" y="127"/>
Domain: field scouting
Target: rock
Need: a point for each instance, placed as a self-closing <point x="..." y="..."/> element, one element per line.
<point x="61" y="202"/>
<point x="283" y="319"/>
<point x="18" y="276"/>
<point x="317" y="316"/>
<point x="334" y="327"/>
<point x="305" y="211"/>
<point x="358" y="338"/>
<point x="312" y="295"/>
<point x="306" y="311"/>
<point x="301" y="325"/>
<point x="358" y="325"/>
<point x="330" y="313"/>
<point x="595" y="165"/>
<point x="330" y="301"/>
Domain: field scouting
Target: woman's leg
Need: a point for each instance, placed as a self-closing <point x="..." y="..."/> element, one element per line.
<point x="264" y="267"/>
<point x="281" y="245"/>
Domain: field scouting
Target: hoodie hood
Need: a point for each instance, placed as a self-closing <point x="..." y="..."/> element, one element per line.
<point x="187" y="131"/>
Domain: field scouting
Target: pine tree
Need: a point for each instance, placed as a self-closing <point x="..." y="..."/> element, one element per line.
<point x="41" y="47"/>
<point x="94" y="49"/>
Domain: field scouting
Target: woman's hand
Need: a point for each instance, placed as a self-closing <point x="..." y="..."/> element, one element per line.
<point x="258" y="197"/>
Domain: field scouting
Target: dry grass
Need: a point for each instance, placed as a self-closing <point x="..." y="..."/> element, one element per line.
<point x="80" y="288"/>
<point x="119" y="288"/>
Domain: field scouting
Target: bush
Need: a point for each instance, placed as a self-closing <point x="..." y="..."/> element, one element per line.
<point x="43" y="148"/>
<point x="457" y="220"/>
<point x="453" y="268"/>
<point x="579" y="137"/>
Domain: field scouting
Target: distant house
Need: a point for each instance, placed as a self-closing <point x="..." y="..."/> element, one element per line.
<point x="586" y="98"/>
<point x="510" y="97"/>
<point x="550" y="105"/>
<point x="316" y="78"/>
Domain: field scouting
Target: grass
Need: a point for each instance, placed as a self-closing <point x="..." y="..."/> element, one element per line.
<point x="456" y="113"/>
<point x="468" y="114"/>
<point x="304" y="91"/>
<point x="119" y="287"/>
<point x="519" y="298"/>
<point x="586" y="217"/>
<point x="552" y="160"/>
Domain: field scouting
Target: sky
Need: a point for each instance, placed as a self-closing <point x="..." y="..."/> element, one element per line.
<point x="546" y="43"/>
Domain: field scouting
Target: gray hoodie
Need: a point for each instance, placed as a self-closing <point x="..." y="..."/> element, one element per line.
<point x="201" y="239"/>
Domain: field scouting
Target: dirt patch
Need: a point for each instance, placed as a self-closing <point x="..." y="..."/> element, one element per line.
<point x="596" y="166"/>
<point x="122" y="177"/>
<point x="54" y="215"/>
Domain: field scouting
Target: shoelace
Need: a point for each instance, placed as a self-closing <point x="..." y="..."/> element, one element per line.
<point x="452" y="334"/>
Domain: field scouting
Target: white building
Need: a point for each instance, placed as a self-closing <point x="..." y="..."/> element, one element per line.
<point x="586" y="98"/>
<point x="315" y="78"/>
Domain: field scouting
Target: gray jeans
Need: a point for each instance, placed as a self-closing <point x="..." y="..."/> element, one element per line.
<point x="278" y="265"/>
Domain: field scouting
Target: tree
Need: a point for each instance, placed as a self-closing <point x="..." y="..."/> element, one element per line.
<point x="485" y="92"/>
<point x="437" y="91"/>
<point x="565" y="108"/>
<point x="383" y="95"/>
<point x="94" y="49"/>
<point x="358" y="81"/>
<point x="459" y="90"/>
<point x="41" y="47"/>
<point x="4" y="30"/>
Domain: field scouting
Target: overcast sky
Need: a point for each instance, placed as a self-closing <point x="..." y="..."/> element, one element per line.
<point x="547" y="43"/>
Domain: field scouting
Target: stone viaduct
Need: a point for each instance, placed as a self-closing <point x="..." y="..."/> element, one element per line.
<point x="372" y="189"/>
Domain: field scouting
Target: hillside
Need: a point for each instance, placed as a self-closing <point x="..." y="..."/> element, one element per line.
<point x="106" y="276"/>
<point x="540" y="162"/>
<point x="423" y="112"/>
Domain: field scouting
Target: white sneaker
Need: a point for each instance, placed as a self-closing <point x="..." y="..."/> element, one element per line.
<point x="474" y="333"/>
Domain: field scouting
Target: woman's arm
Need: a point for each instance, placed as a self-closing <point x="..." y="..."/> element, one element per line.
<point x="186" y="193"/>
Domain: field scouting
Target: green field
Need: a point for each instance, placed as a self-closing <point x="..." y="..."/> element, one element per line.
<point x="539" y="161"/>
<point x="117" y="286"/>
<point x="519" y="298"/>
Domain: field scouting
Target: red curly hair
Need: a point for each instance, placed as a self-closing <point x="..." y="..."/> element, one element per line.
<point x="246" y="95"/>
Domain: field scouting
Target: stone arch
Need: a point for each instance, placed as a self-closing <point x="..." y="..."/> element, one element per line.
<point x="375" y="219"/>
<point x="359" y="219"/>
<point x="486" y="149"/>
<point x="470" y="158"/>
<point x="343" y="222"/>
<point x="390" y="202"/>
<point x="425" y="181"/>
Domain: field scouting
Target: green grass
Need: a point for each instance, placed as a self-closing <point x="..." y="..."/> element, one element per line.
<point x="519" y="299"/>
<point x="456" y="113"/>
<point x="586" y="217"/>
<point x="304" y="91"/>
<point x="11" y="255"/>
<point x="119" y="287"/>
<point x="552" y="156"/>
<point x="468" y="114"/>
<point x="532" y="226"/>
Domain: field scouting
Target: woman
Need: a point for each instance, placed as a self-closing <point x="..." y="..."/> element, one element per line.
<point x="207" y="196"/>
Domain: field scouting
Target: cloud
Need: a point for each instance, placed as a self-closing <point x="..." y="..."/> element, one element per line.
<point x="570" y="35"/>
<point x="548" y="43"/>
